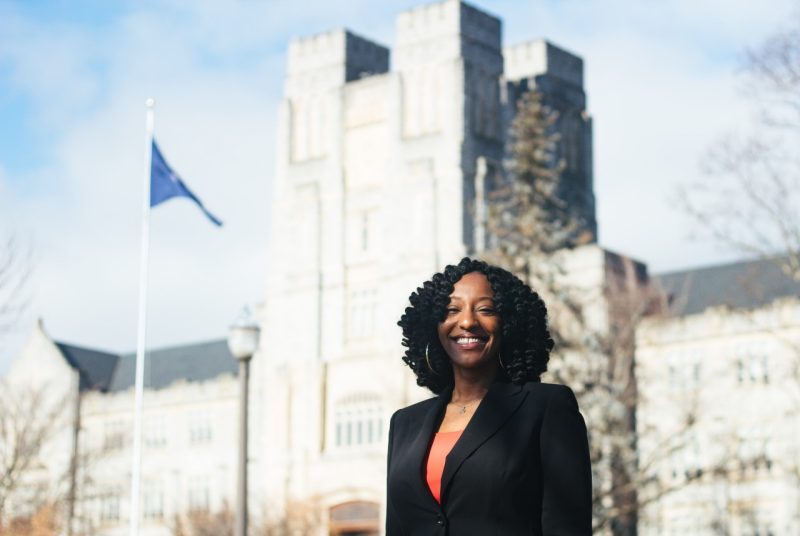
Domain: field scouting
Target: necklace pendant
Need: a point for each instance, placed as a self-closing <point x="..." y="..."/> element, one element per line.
<point x="462" y="410"/>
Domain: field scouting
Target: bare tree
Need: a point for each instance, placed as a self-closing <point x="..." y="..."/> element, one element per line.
<point x="45" y="521"/>
<point x="298" y="518"/>
<point x="31" y="420"/>
<point x="28" y="420"/>
<point x="204" y="523"/>
<point x="749" y="199"/>
<point x="22" y="434"/>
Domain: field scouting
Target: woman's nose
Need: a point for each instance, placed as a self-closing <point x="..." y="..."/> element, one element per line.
<point x="466" y="320"/>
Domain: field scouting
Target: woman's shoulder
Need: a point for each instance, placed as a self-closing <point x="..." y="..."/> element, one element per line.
<point x="551" y="392"/>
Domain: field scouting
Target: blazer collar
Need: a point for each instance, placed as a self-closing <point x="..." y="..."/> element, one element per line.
<point x="497" y="407"/>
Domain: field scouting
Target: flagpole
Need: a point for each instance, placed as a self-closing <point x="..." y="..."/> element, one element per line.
<point x="142" y="329"/>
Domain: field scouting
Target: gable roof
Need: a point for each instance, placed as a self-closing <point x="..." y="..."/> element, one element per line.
<point x="94" y="367"/>
<point x="740" y="285"/>
<point x="106" y="372"/>
<point x="192" y="363"/>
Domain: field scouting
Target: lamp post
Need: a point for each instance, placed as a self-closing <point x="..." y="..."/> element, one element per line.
<point x="243" y="342"/>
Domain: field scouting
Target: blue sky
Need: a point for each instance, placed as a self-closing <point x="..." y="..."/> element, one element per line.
<point x="660" y="77"/>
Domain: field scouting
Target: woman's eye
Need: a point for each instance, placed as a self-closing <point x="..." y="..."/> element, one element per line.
<point x="487" y="311"/>
<point x="452" y="310"/>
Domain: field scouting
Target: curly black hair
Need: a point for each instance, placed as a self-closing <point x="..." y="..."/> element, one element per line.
<point x="526" y="342"/>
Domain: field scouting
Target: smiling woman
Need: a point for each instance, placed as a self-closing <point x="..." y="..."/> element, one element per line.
<point x="497" y="451"/>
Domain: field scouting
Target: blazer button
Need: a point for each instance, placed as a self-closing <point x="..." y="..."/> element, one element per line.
<point x="440" y="520"/>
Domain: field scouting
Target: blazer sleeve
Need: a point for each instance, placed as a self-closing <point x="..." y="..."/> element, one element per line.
<point x="393" y="527"/>
<point x="566" y="468"/>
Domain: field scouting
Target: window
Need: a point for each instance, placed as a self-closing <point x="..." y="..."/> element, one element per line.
<point x="199" y="494"/>
<point x="674" y="381"/>
<point x="696" y="373"/>
<point x="362" y="233"/>
<point x="200" y="428"/>
<point x="308" y="128"/>
<point x="422" y="96"/>
<point x="755" y="370"/>
<point x="363" y="306"/>
<point x="685" y="462"/>
<point x="358" y="420"/>
<point x="756" y="527"/>
<point x="109" y="507"/>
<point x="685" y="371"/>
<point x="755" y="448"/>
<point x="752" y="365"/>
<point x="155" y="432"/>
<point x="152" y="501"/>
<point x="114" y="435"/>
<point x="365" y="231"/>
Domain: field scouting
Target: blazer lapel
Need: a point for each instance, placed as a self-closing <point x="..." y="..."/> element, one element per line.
<point x="418" y="450"/>
<point x="497" y="407"/>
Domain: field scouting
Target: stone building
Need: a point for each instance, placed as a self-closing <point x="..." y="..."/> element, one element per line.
<point x="719" y="412"/>
<point x="188" y="434"/>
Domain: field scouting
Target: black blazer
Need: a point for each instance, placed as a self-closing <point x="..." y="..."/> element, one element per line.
<point x="521" y="466"/>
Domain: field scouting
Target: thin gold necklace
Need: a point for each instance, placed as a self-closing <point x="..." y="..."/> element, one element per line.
<point x="462" y="409"/>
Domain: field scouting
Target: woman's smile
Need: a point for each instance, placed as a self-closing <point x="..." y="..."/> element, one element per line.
<point x="470" y="342"/>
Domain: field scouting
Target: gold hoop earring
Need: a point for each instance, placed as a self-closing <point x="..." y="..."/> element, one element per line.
<point x="428" y="360"/>
<point x="500" y="359"/>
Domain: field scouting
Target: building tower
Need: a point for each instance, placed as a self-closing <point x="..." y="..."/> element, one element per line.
<point x="376" y="187"/>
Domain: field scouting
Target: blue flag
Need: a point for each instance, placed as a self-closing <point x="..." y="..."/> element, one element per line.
<point x="166" y="184"/>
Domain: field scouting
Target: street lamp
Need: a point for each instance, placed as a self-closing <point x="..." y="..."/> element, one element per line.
<point x="243" y="342"/>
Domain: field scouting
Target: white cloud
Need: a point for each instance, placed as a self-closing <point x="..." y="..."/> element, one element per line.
<point x="49" y="66"/>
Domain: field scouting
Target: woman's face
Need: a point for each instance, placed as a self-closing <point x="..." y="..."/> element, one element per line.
<point x="472" y="330"/>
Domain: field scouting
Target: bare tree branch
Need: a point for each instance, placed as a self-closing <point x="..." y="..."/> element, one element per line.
<point x="749" y="199"/>
<point x="27" y="422"/>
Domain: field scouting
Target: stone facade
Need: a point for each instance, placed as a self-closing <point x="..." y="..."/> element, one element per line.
<point x="719" y="418"/>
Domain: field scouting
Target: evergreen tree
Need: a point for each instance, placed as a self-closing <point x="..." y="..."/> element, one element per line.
<point x="526" y="215"/>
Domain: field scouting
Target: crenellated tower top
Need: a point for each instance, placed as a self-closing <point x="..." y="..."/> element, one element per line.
<point x="530" y="59"/>
<point x="331" y="59"/>
<point x="445" y="30"/>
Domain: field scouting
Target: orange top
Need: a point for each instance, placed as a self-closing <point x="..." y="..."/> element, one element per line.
<point x="443" y="443"/>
